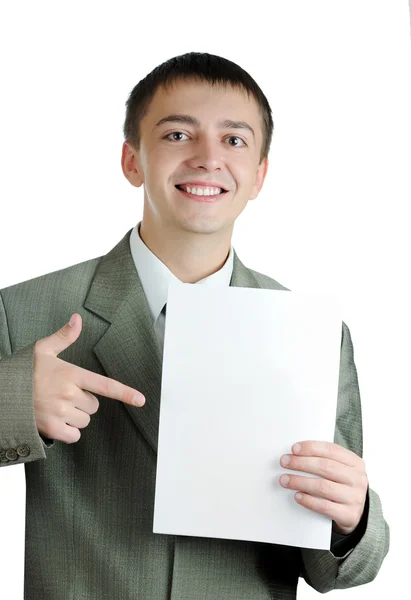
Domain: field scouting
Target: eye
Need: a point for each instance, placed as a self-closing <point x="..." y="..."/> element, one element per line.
<point x="168" y="137"/>
<point x="234" y="137"/>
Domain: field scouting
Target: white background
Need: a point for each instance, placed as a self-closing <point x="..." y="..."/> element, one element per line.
<point x="333" y="213"/>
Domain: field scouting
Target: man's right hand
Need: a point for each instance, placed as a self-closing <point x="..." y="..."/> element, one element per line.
<point x="63" y="401"/>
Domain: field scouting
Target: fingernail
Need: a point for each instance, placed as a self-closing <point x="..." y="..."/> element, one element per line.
<point x="296" y="448"/>
<point x="298" y="496"/>
<point x="284" y="480"/>
<point x="138" y="400"/>
<point x="285" y="460"/>
<point x="71" y="322"/>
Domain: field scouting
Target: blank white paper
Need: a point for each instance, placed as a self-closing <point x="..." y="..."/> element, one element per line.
<point x="246" y="374"/>
<point x="13" y="530"/>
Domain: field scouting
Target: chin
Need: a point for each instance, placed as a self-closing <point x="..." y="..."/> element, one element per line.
<point x="201" y="225"/>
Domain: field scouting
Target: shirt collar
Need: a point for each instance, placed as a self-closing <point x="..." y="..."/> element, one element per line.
<point x="155" y="277"/>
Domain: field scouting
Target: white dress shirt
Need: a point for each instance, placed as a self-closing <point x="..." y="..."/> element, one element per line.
<point x="155" y="278"/>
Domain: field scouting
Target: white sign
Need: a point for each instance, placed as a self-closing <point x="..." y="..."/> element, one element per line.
<point x="246" y="374"/>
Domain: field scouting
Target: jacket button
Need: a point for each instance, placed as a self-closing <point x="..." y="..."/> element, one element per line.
<point x="23" y="450"/>
<point x="11" y="454"/>
<point x="3" y="457"/>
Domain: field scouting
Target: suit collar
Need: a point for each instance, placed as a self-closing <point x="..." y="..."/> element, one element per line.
<point x="129" y="351"/>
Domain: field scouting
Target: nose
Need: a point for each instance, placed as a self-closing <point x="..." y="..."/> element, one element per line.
<point x="207" y="154"/>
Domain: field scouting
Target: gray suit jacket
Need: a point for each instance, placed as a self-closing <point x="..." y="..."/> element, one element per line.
<point x="89" y="509"/>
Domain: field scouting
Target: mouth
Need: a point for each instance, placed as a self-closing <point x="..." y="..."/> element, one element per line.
<point x="201" y="193"/>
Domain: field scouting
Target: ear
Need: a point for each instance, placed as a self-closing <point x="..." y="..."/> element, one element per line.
<point x="130" y="165"/>
<point x="259" y="178"/>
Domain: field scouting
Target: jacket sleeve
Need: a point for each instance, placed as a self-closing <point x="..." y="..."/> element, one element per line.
<point x="20" y="441"/>
<point x="368" y="544"/>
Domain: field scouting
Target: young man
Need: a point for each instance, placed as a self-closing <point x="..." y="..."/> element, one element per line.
<point x="197" y="136"/>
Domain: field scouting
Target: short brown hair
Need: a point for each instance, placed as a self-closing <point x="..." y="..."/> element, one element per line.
<point x="199" y="66"/>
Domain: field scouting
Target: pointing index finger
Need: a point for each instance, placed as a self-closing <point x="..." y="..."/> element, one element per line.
<point x="106" y="386"/>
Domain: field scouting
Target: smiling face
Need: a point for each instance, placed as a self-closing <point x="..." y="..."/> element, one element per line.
<point x="195" y="138"/>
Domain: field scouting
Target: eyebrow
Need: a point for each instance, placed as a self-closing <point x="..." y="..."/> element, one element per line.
<point x="187" y="120"/>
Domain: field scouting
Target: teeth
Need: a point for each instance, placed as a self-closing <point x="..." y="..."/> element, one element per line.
<point x="202" y="191"/>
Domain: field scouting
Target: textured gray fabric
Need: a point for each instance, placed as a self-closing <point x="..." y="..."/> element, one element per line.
<point x="89" y="508"/>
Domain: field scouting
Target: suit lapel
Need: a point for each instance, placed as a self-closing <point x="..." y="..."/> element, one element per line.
<point x="129" y="351"/>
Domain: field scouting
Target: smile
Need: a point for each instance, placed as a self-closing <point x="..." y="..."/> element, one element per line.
<point x="201" y="193"/>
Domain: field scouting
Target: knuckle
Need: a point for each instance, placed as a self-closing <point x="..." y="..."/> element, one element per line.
<point x="325" y="466"/>
<point x="321" y="506"/>
<point x="67" y="370"/>
<point x="327" y="508"/>
<point x="316" y="505"/>
<point x="105" y="386"/>
<point x="62" y="333"/>
<point x="68" y="393"/>
<point x="324" y="487"/>
<point x="62" y="410"/>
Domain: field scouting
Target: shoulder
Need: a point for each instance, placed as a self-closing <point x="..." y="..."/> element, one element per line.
<point x="70" y="281"/>
<point x="37" y="307"/>
<point x="264" y="281"/>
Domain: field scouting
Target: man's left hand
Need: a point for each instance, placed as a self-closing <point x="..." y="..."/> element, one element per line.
<point x="340" y="490"/>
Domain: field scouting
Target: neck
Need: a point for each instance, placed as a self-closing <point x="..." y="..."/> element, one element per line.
<point x="190" y="256"/>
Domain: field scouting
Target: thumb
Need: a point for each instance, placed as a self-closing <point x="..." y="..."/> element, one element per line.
<point x="64" y="337"/>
